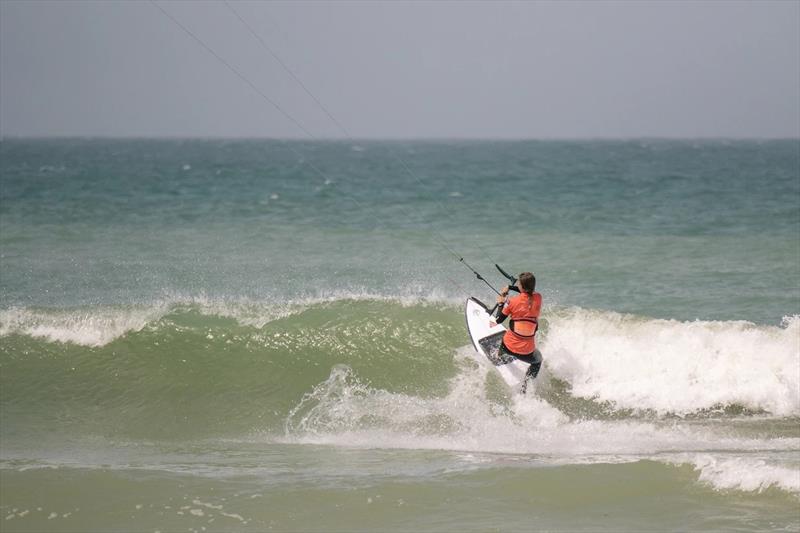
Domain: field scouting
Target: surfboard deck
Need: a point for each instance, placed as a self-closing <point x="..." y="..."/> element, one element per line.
<point x="486" y="337"/>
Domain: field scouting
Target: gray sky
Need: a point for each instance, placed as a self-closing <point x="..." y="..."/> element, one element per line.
<point x="403" y="69"/>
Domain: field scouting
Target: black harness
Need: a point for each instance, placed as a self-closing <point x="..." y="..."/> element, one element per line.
<point x="512" y="325"/>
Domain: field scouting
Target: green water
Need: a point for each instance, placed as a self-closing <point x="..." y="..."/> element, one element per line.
<point x="209" y="334"/>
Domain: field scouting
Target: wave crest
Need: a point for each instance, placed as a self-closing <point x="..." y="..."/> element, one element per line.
<point x="623" y="362"/>
<point x="676" y="367"/>
<point x="98" y="326"/>
<point x="89" y="327"/>
<point x="746" y="474"/>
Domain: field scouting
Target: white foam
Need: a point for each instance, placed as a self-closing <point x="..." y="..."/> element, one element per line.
<point x="95" y="327"/>
<point x="101" y="325"/>
<point x="749" y="474"/>
<point x="255" y="313"/>
<point x="676" y="367"/>
<point x="344" y="412"/>
<point x="637" y="363"/>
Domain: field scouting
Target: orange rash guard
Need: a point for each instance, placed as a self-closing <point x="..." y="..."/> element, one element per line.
<point x="524" y="322"/>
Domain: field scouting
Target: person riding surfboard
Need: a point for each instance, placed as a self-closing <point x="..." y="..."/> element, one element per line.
<point x="524" y="309"/>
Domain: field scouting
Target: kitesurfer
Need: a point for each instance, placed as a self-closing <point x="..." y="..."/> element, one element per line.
<point x="520" y="339"/>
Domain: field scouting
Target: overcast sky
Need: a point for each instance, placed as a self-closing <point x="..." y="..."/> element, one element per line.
<point x="403" y="69"/>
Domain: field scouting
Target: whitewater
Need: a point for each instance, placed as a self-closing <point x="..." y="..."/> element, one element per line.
<point x="202" y="334"/>
<point x="630" y="362"/>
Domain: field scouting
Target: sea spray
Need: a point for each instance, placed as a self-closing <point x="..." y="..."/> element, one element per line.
<point x="618" y="362"/>
<point x="748" y="474"/>
<point x="245" y="341"/>
<point x="677" y="367"/>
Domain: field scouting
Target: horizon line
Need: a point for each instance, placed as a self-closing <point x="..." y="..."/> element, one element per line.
<point x="396" y="139"/>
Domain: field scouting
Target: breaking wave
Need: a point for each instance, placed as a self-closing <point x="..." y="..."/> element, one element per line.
<point x="367" y="371"/>
<point x="617" y="362"/>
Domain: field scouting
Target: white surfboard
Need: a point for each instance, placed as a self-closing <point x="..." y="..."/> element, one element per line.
<point x="486" y="335"/>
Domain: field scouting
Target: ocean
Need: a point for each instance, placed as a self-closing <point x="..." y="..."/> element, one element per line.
<point x="254" y="335"/>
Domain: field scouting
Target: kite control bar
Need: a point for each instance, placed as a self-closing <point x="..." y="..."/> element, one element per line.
<point x="511" y="285"/>
<point x="511" y="279"/>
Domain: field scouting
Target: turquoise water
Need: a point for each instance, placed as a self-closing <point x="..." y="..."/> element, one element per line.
<point x="661" y="228"/>
<point x="263" y="334"/>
